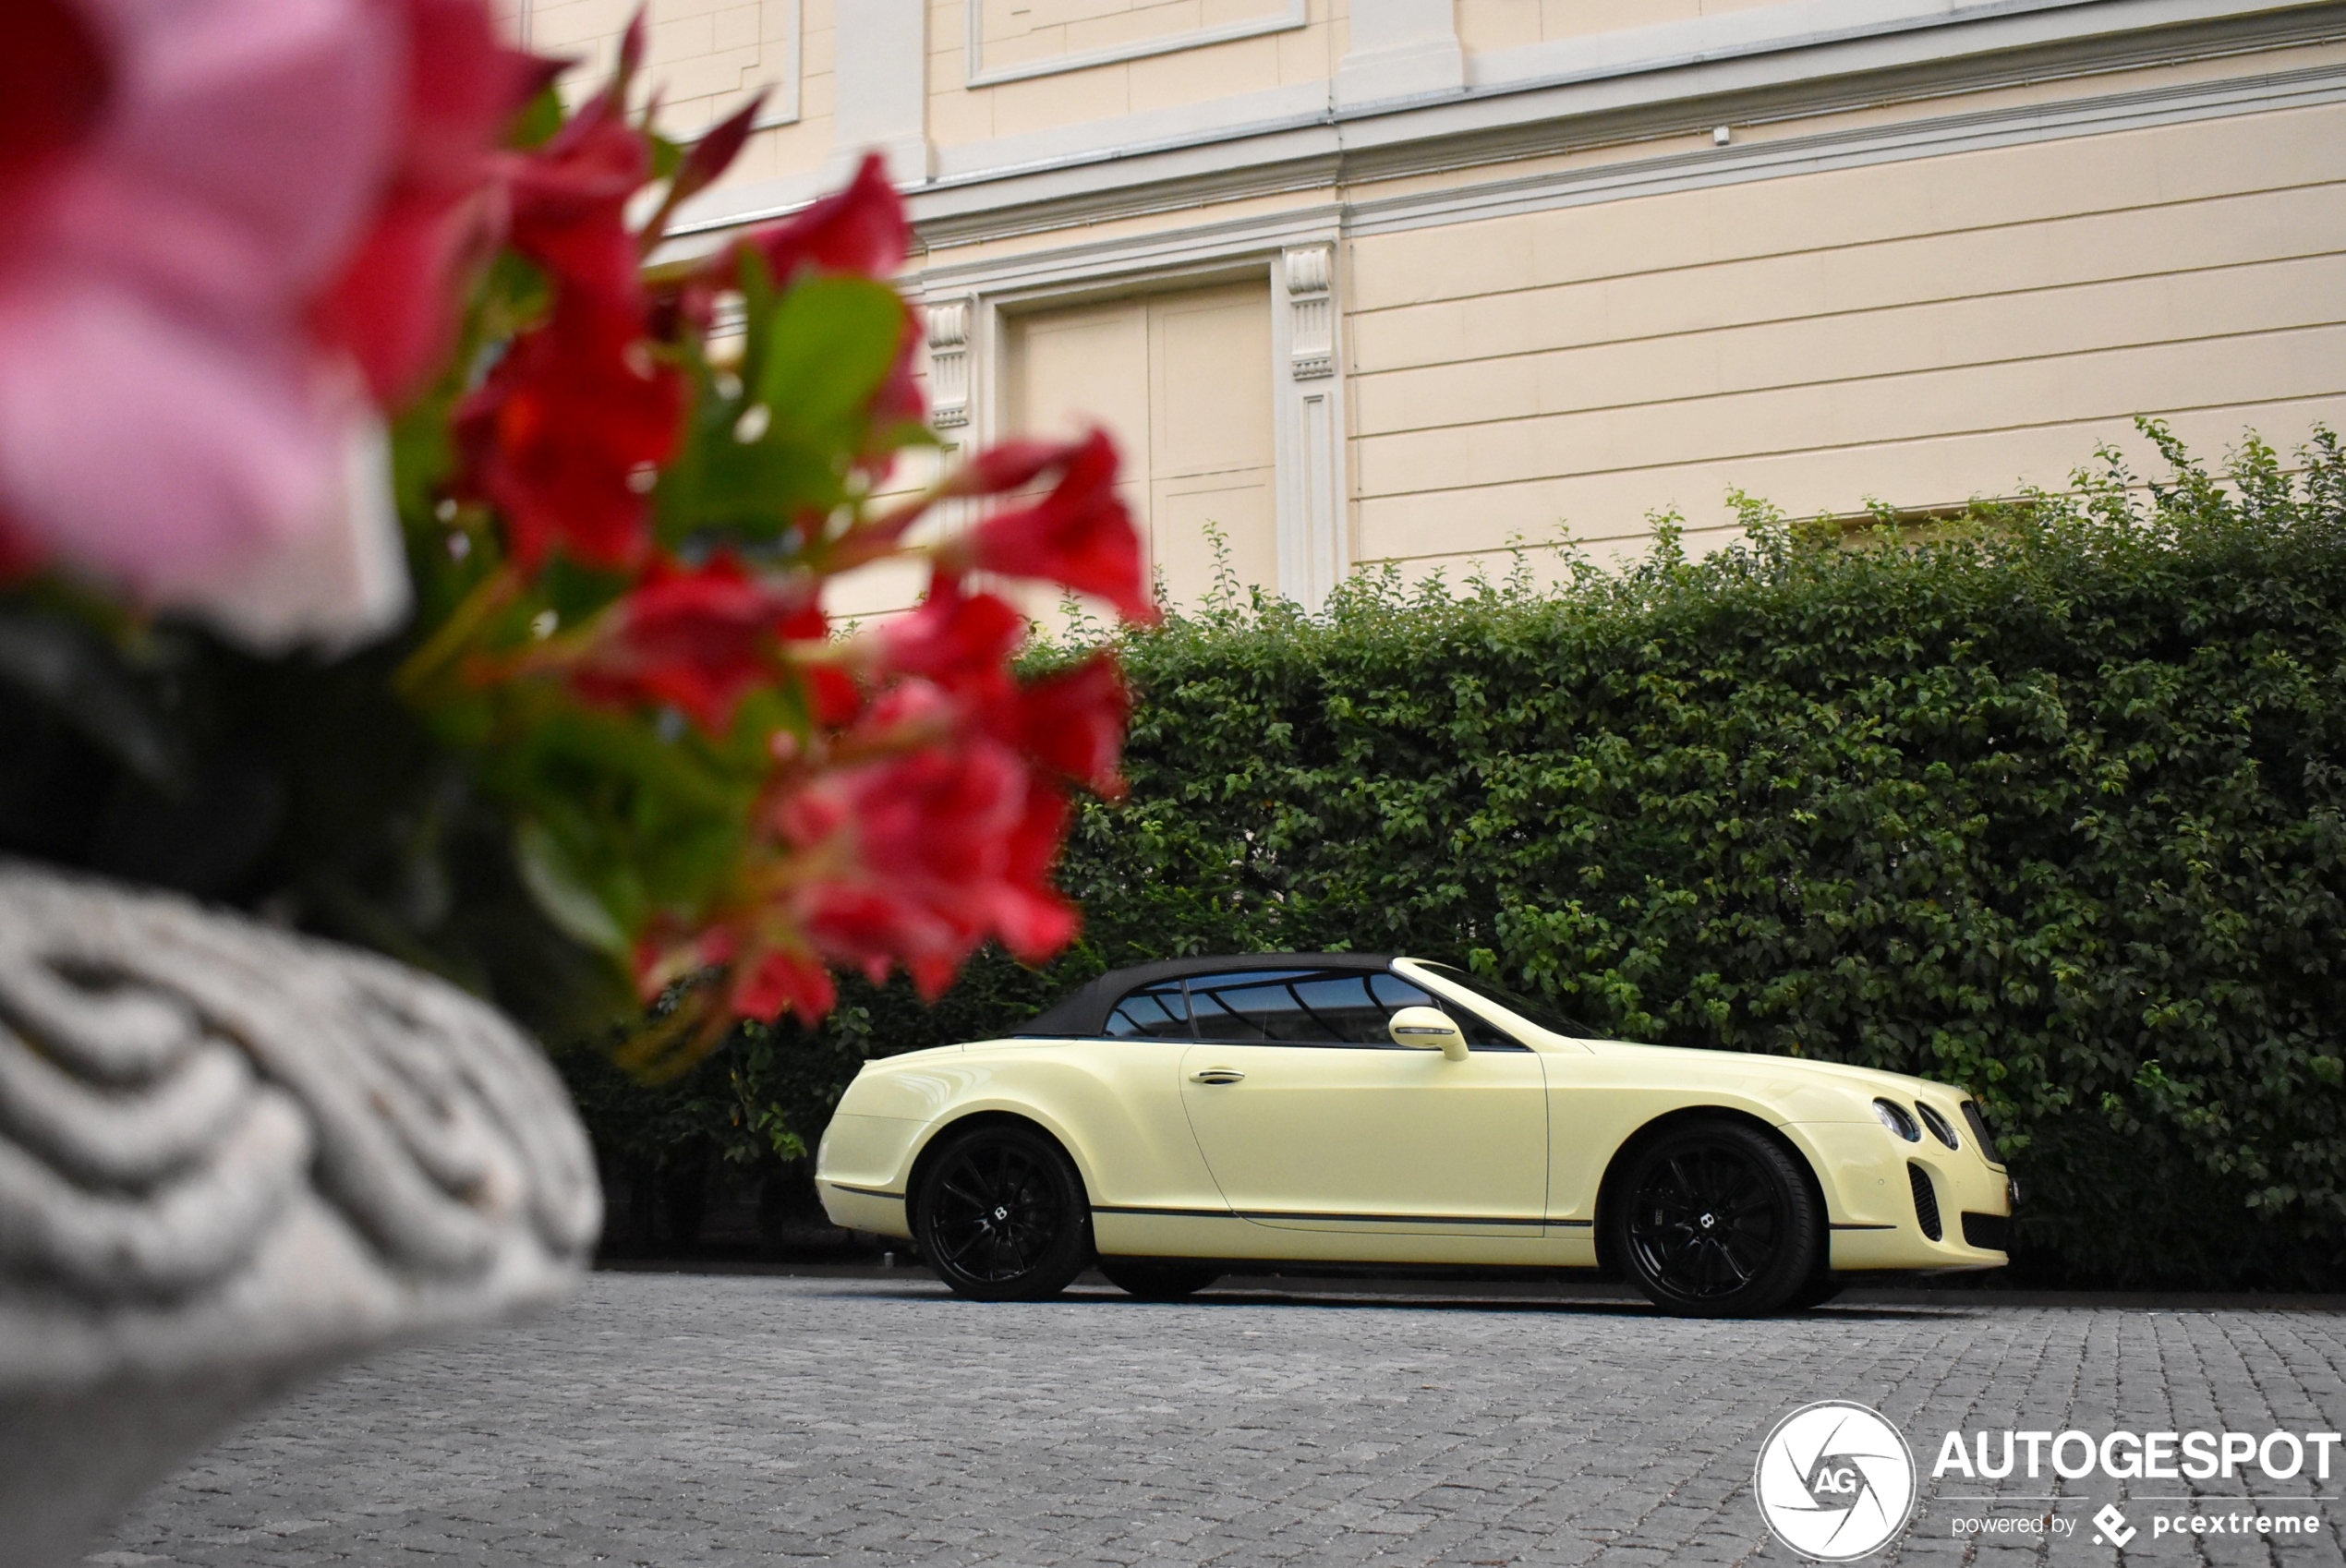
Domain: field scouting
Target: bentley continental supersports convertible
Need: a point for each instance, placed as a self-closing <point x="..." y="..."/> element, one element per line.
<point x="1173" y="1120"/>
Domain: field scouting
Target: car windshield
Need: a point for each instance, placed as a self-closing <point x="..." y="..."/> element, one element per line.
<point x="1544" y="1014"/>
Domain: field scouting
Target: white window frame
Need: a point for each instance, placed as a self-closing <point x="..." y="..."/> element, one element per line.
<point x="1296" y="15"/>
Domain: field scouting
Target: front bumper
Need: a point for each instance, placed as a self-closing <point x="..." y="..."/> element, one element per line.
<point x="1880" y="1191"/>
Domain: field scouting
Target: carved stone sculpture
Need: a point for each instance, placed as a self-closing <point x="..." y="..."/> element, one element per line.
<point x="229" y="1158"/>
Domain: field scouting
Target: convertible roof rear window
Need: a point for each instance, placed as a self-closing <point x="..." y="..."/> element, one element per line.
<point x="1083" y="1012"/>
<point x="1153" y="1012"/>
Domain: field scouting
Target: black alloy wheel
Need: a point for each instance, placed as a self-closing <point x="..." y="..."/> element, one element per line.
<point x="1820" y="1287"/>
<point x="1001" y="1215"/>
<point x="1153" y="1280"/>
<point x="1716" y="1220"/>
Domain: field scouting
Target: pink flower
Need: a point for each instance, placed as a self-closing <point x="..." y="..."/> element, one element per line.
<point x="172" y="422"/>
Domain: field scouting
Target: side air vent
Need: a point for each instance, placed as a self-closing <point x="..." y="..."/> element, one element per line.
<point x="1980" y="1131"/>
<point x="1926" y="1202"/>
<point x="1992" y="1231"/>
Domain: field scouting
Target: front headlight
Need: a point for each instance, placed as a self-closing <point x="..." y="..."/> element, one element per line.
<point x="1898" y="1119"/>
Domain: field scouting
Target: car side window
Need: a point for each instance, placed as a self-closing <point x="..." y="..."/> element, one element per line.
<point x="1482" y="1035"/>
<point x="1306" y="1006"/>
<point x="1153" y="1012"/>
<point x="1237" y="1006"/>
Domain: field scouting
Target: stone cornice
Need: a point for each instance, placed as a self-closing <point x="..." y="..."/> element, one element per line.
<point x="1481" y="128"/>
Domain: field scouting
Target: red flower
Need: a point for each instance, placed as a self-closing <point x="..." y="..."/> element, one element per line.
<point x="1032" y="920"/>
<point x="776" y="982"/>
<point x="1006" y="467"/>
<point x="955" y="639"/>
<point x="567" y="435"/>
<point x="924" y="855"/>
<point x="901" y="400"/>
<point x="767" y="981"/>
<point x="1079" y="535"/>
<point x="861" y="229"/>
<point x="54" y="80"/>
<point x="570" y="211"/>
<point x="831" y="696"/>
<point x="1074" y="722"/>
<point x="564" y="438"/>
<point x="394" y="307"/>
<point x="699" y="638"/>
<point x="709" y="158"/>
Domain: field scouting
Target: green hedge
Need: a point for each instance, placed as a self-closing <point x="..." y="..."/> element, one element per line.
<point x="2046" y="803"/>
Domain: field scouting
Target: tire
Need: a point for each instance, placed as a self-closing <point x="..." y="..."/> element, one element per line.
<point x="1822" y="1287"/>
<point x="1153" y="1281"/>
<point x="1002" y="1216"/>
<point x="1715" y="1219"/>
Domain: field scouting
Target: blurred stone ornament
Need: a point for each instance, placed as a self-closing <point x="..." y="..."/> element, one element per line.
<point x="231" y="1157"/>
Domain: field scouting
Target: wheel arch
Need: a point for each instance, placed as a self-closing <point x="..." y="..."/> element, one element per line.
<point x="942" y="1135"/>
<point x="1617" y="1168"/>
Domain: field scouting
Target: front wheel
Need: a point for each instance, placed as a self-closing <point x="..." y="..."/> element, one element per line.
<point x="1001" y="1216"/>
<point x="1820" y="1287"/>
<point x="1716" y="1221"/>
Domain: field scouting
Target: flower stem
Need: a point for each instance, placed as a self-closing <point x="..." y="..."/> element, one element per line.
<point x="487" y="596"/>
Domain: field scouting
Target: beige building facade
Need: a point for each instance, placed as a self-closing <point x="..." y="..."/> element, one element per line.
<point x="1413" y="280"/>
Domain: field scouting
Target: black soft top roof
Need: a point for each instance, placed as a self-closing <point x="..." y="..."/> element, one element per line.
<point x="1082" y="1012"/>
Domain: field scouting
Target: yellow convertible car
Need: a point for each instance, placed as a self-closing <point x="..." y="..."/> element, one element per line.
<point x="1175" y="1119"/>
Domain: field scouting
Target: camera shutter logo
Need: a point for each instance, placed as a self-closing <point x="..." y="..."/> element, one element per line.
<point x="1834" y="1482"/>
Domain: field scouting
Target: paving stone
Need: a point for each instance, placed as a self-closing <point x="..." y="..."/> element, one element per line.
<point x="670" y="1421"/>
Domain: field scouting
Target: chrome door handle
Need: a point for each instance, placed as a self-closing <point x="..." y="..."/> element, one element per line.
<point x="1216" y="1075"/>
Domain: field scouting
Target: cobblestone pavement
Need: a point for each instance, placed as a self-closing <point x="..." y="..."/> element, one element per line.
<point x="669" y="1420"/>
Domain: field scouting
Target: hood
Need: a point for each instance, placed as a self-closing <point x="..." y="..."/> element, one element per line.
<point x="1739" y="1064"/>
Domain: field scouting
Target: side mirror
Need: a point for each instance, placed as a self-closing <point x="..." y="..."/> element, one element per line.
<point x="1428" y="1028"/>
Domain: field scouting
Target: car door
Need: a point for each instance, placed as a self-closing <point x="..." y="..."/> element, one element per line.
<point x="1310" y="1117"/>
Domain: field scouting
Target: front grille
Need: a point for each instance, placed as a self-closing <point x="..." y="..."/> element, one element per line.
<point x="1991" y="1232"/>
<point x="1926" y="1202"/>
<point x="1979" y="1130"/>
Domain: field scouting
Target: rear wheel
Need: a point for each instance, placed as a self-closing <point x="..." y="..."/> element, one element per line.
<point x="1153" y="1281"/>
<point x="1716" y="1221"/>
<point x="1001" y="1215"/>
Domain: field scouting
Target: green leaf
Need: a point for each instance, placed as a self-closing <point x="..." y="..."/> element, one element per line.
<point x="829" y="346"/>
<point x="561" y="892"/>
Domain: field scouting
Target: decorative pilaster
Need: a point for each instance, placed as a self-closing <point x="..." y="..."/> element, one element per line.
<point x="949" y="363"/>
<point x="1312" y="327"/>
<point x="1313" y="553"/>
